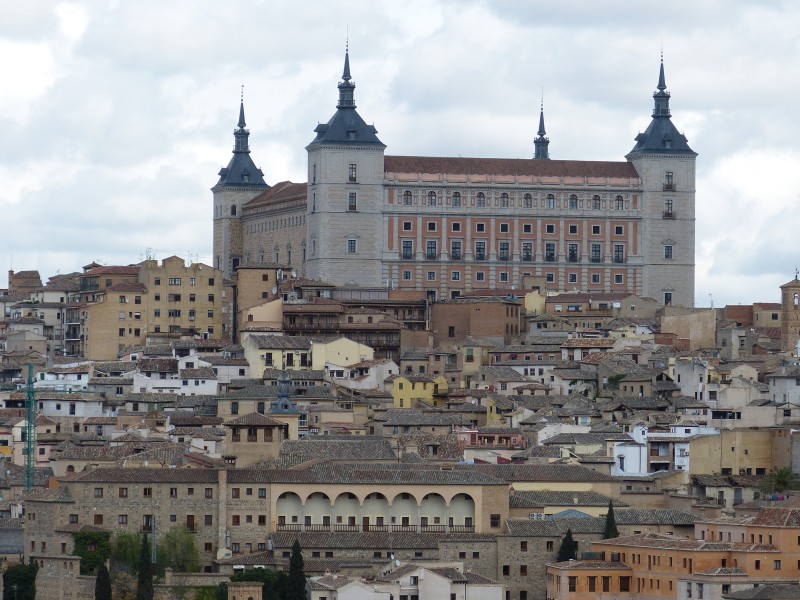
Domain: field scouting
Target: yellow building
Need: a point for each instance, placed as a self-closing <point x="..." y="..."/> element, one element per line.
<point x="148" y="303"/>
<point x="409" y="390"/>
<point x="740" y="452"/>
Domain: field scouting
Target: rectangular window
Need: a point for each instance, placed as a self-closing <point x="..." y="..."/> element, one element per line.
<point x="406" y="225"/>
<point x="619" y="253"/>
<point x="503" y="227"/>
<point x="596" y="255"/>
<point x="668" y="252"/>
<point x="430" y="250"/>
<point x="174" y="281"/>
<point x="480" y="276"/>
<point x="572" y="253"/>
<point x="455" y="250"/>
<point x="408" y="250"/>
<point x="550" y="229"/>
<point x="618" y="278"/>
<point x="122" y="519"/>
<point x="527" y="252"/>
<point x="455" y="227"/>
<point x="480" y="227"/>
<point x="351" y="246"/>
<point x="480" y="250"/>
<point x="455" y="276"/>
<point x="352" y="202"/>
<point x="352" y="172"/>
<point x="209" y="493"/>
<point x="431" y="275"/>
<point x="618" y="230"/>
<point x="669" y="182"/>
<point x="147" y="492"/>
<point x="494" y="520"/>
<point x="550" y="277"/>
<point x="550" y="252"/>
<point x="432" y="226"/>
<point x="406" y="275"/>
<point x="503" y="251"/>
<point x="504" y="277"/>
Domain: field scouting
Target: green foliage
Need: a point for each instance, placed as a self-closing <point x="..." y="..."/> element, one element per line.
<point x="22" y="576"/>
<point x="93" y="547"/>
<point x="102" y="585"/>
<point x="613" y="381"/>
<point x="125" y="550"/>
<point x="567" y="550"/>
<point x="208" y="593"/>
<point x="296" y="585"/>
<point x="780" y="480"/>
<point x="178" y="551"/>
<point x="144" y="581"/>
<point x="274" y="583"/>
<point x="610" y="530"/>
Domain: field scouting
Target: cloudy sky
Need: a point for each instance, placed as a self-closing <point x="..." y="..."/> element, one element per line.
<point x="116" y="116"/>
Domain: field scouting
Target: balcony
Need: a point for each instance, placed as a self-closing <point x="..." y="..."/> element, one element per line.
<point x="288" y="527"/>
<point x="404" y="528"/>
<point x="669" y="186"/>
<point x="502" y="256"/>
<point x="318" y="527"/>
<point x="527" y="257"/>
<point x="455" y="255"/>
<point x="462" y="529"/>
<point x="550" y="257"/>
<point x="596" y="259"/>
<point x="432" y="529"/>
<point x="431" y="256"/>
<point x="379" y="528"/>
<point x="668" y="214"/>
<point x="346" y="528"/>
<point x="480" y="256"/>
<point x="619" y="260"/>
<point x="407" y="255"/>
<point x="573" y="257"/>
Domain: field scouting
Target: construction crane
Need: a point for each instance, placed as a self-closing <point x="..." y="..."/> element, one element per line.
<point x="30" y="430"/>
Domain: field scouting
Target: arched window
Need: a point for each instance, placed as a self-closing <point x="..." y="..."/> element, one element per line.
<point x="573" y="202"/>
<point x="431" y="198"/>
<point x="504" y="200"/>
<point x="456" y="199"/>
<point x="619" y="203"/>
<point x="551" y="201"/>
<point x="596" y="202"/>
<point x="407" y="198"/>
<point x="481" y="199"/>
<point x="528" y="201"/>
<point x="233" y="210"/>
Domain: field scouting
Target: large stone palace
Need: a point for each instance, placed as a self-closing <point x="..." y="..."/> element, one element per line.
<point x="449" y="225"/>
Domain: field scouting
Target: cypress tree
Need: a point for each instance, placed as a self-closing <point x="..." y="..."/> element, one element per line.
<point x="102" y="586"/>
<point x="296" y="585"/>
<point x="144" y="582"/>
<point x="567" y="550"/>
<point x="611" y="530"/>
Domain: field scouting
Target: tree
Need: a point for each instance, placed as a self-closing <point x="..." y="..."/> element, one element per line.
<point x="125" y="552"/>
<point x="273" y="583"/>
<point x="177" y="550"/>
<point x="296" y="585"/>
<point x="102" y="585"/>
<point x="567" y="550"/>
<point x="19" y="582"/>
<point x="780" y="480"/>
<point x="144" y="582"/>
<point x="611" y="530"/>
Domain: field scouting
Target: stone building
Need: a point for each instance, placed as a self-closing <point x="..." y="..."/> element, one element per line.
<point x="447" y="225"/>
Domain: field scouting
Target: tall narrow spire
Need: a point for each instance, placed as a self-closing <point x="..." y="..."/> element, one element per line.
<point x="241" y="135"/>
<point x="346" y="87"/>
<point x="241" y="124"/>
<point x="661" y="97"/>
<point x="542" y="142"/>
<point x="241" y="170"/>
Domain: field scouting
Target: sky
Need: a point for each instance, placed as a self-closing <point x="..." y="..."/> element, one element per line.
<point x="115" y="117"/>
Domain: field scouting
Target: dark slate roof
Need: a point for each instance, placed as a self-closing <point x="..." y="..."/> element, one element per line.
<point x="768" y="591"/>
<point x="146" y="475"/>
<point x="369" y="539"/>
<point x="661" y="136"/>
<point x="655" y="516"/>
<point x="241" y="170"/>
<point x="549" y="472"/>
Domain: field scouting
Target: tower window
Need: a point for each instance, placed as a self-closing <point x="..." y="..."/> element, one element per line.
<point x="233" y="210"/>
<point x="352" y="246"/>
<point x="351" y="173"/>
<point x="352" y="201"/>
<point x="667" y="298"/>
<point x="668" y="252"/>
<point x="669" y="183"/>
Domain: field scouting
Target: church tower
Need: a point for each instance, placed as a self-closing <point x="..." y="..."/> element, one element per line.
<point x="238" y="183"/>
<point x="790" y="315"/>
<point x="345" y="196"/>
<point x="666" y="166"/>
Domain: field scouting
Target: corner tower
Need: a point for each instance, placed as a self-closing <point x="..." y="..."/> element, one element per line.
<point x="238" y="183"/>
<point x="345" y="196"/>
<point x="666" y="166"/>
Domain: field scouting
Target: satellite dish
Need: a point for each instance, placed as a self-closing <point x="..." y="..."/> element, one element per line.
<point x="397" y="563"/>
<point x="274" y="289"/>
<point x="294" y="273"/>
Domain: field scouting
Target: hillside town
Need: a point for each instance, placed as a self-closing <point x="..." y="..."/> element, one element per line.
<point x="412" y="447"/>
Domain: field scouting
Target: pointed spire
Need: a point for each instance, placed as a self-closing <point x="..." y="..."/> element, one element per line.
<point x="241" y="124"/>
<point x="542" y="142"/>
<point x="661" y="97"/>
<point x="661" y="82"/>
<point x="346" y="87"/>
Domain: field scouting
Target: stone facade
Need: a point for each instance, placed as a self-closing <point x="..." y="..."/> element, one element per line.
<point x="450" y="225"/>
